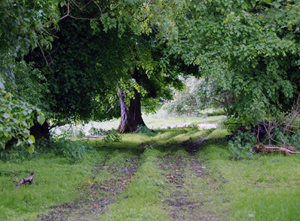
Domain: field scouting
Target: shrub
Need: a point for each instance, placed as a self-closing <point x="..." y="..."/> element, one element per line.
<point x="198" y="95"/>
<point x="113" y="136"/>
<point x="95" y="131"/>
<point x="145" y="130"/>
<point x="73" y="131"/>
<point x="16" y="154"/>
<point x="194" y="126"/>
<point x="73" y="149"/>
<point x="241" y="146"/>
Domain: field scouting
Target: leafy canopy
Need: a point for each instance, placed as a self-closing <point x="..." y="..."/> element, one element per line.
<point x="250" y="47"/>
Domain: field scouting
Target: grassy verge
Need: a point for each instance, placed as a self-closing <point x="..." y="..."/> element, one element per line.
<point x="265" y="188"/>
<point x="55" y="182"/>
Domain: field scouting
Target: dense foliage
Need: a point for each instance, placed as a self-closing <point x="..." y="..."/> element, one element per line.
<point x="16" y="118"/>
<point x="250" y="48"/>
<point x="248" y="51"/>
<point x="20" y="24"/>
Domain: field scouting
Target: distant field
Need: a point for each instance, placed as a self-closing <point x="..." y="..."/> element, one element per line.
<point x="156" y="121"/>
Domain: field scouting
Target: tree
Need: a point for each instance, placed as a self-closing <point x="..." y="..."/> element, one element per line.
<point x="197" y="95"/>
<point x="20" y="22"/>
<point x="131" y="116"/>
<point x="250" y="47"/>
<point x="87" y="65"/>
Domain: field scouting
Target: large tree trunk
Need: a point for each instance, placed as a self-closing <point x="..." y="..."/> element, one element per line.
<point x="40" y="131"/>
<point x="37" y="130"/>
<point x="131" y="116"/>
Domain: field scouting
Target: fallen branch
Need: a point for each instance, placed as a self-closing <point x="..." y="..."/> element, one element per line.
<point x="261" y="148"/>
<point x="16" y="174"/>
<point x="25" y="180"/>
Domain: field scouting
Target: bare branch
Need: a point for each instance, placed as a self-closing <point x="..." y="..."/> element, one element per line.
<point x="47" y="33"/>
<point x="43" y="55"/>
<point x="83" y="18"/>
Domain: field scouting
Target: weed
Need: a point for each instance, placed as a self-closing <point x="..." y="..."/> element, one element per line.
<point x="113" y="136"/>
<point x="73" y="149"/>
<point x="194" y="126"/>
<point x="145" y="130"/>
<point x="95" y="131"/>
<point x="241" y="146"/>
<point x="74" y="131"/>
<point x="16" y="154"/>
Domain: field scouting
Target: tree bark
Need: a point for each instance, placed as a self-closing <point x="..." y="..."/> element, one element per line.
<point x="37" y="130"/>
<point x="131" y="117"/>
<point x="40" y="131"/>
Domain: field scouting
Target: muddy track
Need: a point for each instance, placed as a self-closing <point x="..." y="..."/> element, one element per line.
<point x="96" y="195"/>
<point x="181" y="201"/>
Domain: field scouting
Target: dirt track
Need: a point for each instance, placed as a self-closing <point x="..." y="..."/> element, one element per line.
<point x="184" y="200"/>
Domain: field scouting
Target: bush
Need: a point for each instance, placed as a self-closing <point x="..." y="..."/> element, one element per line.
<point x="241" y="146"/>
<point x="289" y="139"/>
<point x="16" y="154"/>
<point x="113" y="136"/>
<point x="75" y="150"/>
<point x="145" y="130"/>
<point x="95" y="131"/>
<point x="194" y="126"/>
<point x="198" y="95"/>
<point x="73" y="131"/>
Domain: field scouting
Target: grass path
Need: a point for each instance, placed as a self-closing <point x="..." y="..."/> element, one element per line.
<point x="174" y="174"/>
<point x="146" y="182"/>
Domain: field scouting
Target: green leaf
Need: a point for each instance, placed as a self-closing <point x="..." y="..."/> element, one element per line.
<point x="268" y="1"/>
<point x="6" y="115"/>
<point x="41" y="119"/>
<point x="31" y="149"/>
<point x="31" y="139"/>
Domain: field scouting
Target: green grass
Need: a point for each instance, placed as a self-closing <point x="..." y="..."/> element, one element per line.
<point x="56" y="180"/>
<point x="143" y="199"/>
<point x="264" y="188"/>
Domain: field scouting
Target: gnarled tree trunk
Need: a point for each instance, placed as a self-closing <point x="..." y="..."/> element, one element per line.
<point x="131" y="116"/>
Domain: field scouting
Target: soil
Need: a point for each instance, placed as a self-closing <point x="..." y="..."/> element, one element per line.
<point x="94" y="198"/>
<point x="181" y="202"/>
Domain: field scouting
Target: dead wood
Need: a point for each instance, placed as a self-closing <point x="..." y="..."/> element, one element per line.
<point x="25" y="180"/>
<point x="260" y="148"/>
